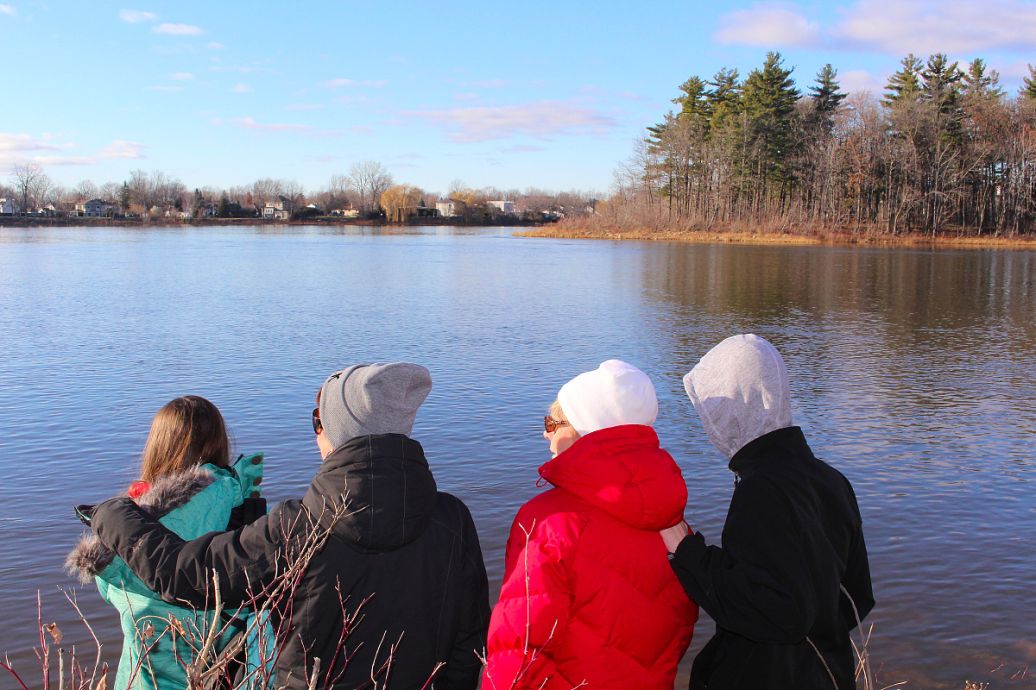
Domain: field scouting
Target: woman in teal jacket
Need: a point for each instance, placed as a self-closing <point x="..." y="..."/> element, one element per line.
<point x="188" y="482"/>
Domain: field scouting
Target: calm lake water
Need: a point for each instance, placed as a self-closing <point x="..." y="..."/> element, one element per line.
<point x="913" y="372"/>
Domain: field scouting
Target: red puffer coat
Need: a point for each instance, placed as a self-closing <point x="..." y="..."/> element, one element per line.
<point x="588" y="594"/>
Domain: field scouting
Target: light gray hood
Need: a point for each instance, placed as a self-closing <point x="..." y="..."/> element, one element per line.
<point x="740" y="390"/>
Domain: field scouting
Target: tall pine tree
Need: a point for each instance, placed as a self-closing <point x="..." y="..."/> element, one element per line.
<point x="1028" y="91"/>
<point x="768" y="97"/>
<point x="941" y="87"/>
<point x="980" y="84"/>
<point x="904" y="85"/>
<point x="826" y="98"/>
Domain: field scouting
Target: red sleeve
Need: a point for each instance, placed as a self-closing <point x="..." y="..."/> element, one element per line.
<point x="535" y="599"/>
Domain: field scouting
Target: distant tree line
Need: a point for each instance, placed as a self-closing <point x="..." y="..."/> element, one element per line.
<point x="367" y="191"/>
<point x="944" y="150"/>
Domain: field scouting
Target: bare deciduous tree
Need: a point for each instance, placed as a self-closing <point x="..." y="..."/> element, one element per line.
<point x="370" y="179"/>
<point x="31" y="184"/>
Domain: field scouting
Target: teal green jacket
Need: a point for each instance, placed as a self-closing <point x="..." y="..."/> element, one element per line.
<point x="160" y="639"/>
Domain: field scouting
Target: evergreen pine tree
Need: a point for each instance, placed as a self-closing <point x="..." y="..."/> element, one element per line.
<point x="904" y="85"/>
<point x="977" y="83"/>
<point x="725" y="97"/>
<point x="124" y="197"/>
<point x="694" y="101"/>
<point x="826" y="99"/>
<point x="769" y="96"/>
<point x="941" y="83"/>
<point x="1028" y="90"/>
<point x="941" y="87"/>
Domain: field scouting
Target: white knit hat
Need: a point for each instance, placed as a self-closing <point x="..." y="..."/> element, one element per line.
<point x="613" y="394"/>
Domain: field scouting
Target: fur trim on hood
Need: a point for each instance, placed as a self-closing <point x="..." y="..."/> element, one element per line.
<point x="90" y="557"/>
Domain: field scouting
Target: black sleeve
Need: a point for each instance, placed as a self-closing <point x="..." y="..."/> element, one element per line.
<point x="464" y="665"/>
<point x="757" y="585"/>
<point x="177" y="570"/>
<point x="250" y="510"/>
<point x="857" y="580"/>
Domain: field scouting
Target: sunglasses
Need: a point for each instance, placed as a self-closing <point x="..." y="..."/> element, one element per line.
<point x="551" y="425"/>
<point x="317" y="426"/>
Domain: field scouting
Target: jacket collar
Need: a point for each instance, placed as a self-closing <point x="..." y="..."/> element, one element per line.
<point x="623" y="471"/>
<point x="382" y="488"/>
<point x="786" y="442"/>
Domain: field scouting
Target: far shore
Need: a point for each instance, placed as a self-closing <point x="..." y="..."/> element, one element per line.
<point x="777" y="237"/>
<point x="65" y="222"/>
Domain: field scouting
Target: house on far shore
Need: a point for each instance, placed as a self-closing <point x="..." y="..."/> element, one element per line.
<point x="446" y="209"/>
<point x="502" y="206"/>
<point x="7" y="207"/>
<point x="275" y="210"/>
<point x="97" y="208"/>
<point x="346" y="212"/>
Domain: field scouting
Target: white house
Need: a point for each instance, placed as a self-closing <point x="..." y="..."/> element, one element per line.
<point x="97" y="208"/>
<point x="275" y="210"/>
<point x="446" y="209"/>
<point x="7" y="207"/>
<point x="503" y="206"/>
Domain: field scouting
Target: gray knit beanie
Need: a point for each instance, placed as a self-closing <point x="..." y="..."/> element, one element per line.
<point x="372" y="399"/>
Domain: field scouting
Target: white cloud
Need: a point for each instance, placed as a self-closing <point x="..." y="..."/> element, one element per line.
<point x="541" y="119"/>
<point x="181" y="76"/>
<point x="178" y="30"/>
<point x="165" y="88"/>
<point x="858" y="80"/>
<point x="215" y="45"/>
<point x="341" y="82"/>
<point x="769" y="26"/>
<point x="952" y="26"/>
<point x="9" y="10"/>
<point x="47" y="150"/>
<point x="137" y="16"/>
<point x="242" y="88"/>
<point x="20" y="143"/>
<point x="919" y="26"/>
<point x="250" y="123"/>
<point x="353" y="99"/>
<point x="120" y="148"/>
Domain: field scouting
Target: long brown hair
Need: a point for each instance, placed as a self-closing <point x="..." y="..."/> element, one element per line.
<point x="187" y="431"/>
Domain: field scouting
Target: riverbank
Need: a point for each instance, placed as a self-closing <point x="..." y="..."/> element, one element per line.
<point x="776" y="237"/>
<point x="37" y="222"/>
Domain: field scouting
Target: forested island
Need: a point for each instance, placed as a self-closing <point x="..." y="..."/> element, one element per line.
<point x="945" y="152"/>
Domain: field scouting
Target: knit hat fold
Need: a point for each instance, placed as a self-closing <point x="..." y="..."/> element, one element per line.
<point x="613" y="394"/>
<point x="367" y="399"/>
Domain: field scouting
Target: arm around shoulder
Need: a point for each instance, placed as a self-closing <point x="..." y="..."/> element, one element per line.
<point x="178" y="570"/>
<point x="757" y="584"/>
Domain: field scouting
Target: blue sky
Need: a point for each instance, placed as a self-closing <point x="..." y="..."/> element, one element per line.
<point x="547" y="94"/>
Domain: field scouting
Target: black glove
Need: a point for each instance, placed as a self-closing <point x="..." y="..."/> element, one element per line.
<point x="85" y="513"/>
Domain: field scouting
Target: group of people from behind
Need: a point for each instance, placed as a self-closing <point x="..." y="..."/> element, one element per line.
<point x="375" y="579"/>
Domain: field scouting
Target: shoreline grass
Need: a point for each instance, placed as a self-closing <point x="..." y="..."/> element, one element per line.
<point x="734" y="235"/>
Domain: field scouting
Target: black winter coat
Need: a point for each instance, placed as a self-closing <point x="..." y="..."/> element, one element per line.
<point x="404" y="561"/>
<point x="791" y="542"/>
